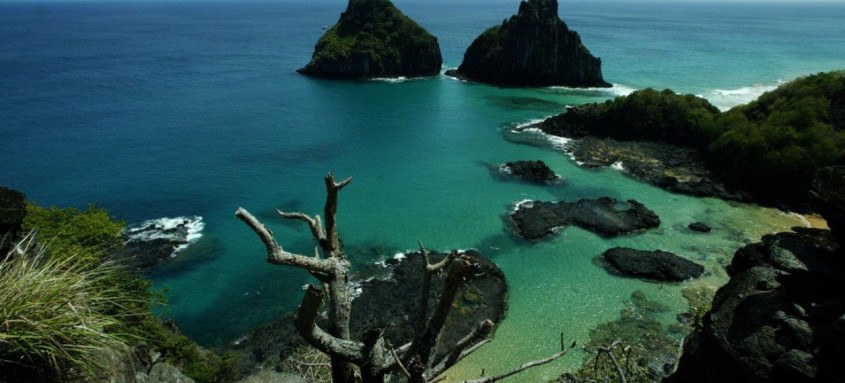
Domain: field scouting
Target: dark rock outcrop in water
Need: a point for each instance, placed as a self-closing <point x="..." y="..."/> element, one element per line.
<point x="374" y="39"/>
<point x="656" y="265"/>
<point x="604" y="216"/>
<point x="155" y="241"/>
<point x="700" y="227"/>
<point x="781" y="318"/>
<point x="394" y="301"/>
<point x="531" y="171"/>
<point x="532" y="48"/>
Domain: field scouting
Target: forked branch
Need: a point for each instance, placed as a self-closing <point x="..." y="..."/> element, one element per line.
<point x="276" y="254"/>
<point x="526" y="366"/>
<point x="306" y="325"/>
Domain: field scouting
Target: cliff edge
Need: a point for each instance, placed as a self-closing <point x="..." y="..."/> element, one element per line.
<point x="373" y="38"/>
<point x="532" y="48"/>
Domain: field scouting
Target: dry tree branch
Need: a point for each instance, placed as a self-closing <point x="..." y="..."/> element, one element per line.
<point x="526" y="366"/>
<point x="276" y="254"/>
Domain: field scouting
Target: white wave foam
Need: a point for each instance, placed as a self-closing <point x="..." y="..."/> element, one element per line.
<point x="178" y="229"/>
<point x="618" y="166"/>
<point x="524" y="204"/>
<point x="725" y="99"/>
<point x="615" y="90"/>
<point x="391" y="80"/>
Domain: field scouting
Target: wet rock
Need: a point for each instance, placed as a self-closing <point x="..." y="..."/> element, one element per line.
<point x="604" y="216"/>
<point x="655" y="265"/>
<point x="155" y="241"/>
<point x="700" y="227"/>
<point x="532" y="48"/>
<point x="531" y="171"/>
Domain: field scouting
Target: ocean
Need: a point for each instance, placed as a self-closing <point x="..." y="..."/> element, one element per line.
<point x="156" y="109"/>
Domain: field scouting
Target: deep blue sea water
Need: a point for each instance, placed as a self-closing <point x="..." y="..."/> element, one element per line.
<point x="161" y="109"/>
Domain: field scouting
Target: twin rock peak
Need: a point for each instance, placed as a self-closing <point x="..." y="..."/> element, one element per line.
<point x="534" y="48"/>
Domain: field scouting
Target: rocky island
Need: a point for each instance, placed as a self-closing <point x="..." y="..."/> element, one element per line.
<point x="533" y="48"/>
<point x="604" y="216"/>
<point x="373" y="38"/>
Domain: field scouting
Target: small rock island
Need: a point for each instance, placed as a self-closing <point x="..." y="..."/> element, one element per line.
<point x="533" y="48"/>
<point x="373" y="38"/>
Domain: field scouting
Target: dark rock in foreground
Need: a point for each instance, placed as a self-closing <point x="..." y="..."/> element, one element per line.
<point x="656" y="265"/>
<point x="700" y="227"/>
<point x="781" y="318"/>
<point x="375" y="39"/>
<point x="828" y="193"/>
<point x="532" y="48"/>
<point x="604" y="216"/>
<point x="394" y="301"/>
<point x="531" y="171"/>
<point x="12" y="213"/>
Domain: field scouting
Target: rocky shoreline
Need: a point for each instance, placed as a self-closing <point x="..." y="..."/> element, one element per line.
<point x="390" y="303"/>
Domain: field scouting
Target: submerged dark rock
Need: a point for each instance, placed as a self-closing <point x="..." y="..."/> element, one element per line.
<point x="392" y="303"/>
<point x="700" y="227"/>
<point x="604" y="216"/>
<point x="531" y="171"/>
<point x="656" y="265"/>
<point x="373" y="38"/>
<point x="533" y="48"/>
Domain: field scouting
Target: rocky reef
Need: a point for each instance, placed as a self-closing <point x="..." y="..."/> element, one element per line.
<point x="781" y="318"/>
<point x="391" y="303"/>
<point x="604" y="216"/>
<point x="530" y="171"/>
<point x="656" y="265"/>
<point x="533" y="48"/>
<point x="373" y="38"/>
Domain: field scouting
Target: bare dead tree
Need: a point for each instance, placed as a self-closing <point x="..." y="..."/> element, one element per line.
<point x="374" y="356"/>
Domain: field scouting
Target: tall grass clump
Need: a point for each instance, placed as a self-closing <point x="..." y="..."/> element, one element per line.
<point x="55" y="314"/>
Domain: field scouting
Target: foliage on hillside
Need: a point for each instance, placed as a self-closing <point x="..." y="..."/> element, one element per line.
<point x="773" y="146"/>
<point x="770" y="147"/>
<point x="81" y="245"/>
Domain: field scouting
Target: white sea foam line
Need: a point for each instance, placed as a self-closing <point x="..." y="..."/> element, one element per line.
<point x="618" y="166"/>
<point x="615" y="89"/>
<point x="193" y="225"/>
<point x="725" y="99"/>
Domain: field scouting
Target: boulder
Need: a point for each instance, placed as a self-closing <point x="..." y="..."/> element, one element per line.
<point x="12" y="213"/>
<point x="777" y="318"/>
<point x="373" y="38"/>
<point x="604" y="216"/>
<point x="700" y="227"/>
<point x="655" y="265"/>
<point x="533" y="48"/>
<point x="165" y="373"/>
<point x="531" y="171"/>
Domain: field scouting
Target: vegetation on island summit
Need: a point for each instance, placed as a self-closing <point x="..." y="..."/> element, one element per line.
<point x="69" y="305"/>
<point x="373" y="38"/>
<point x="770" y="147"/>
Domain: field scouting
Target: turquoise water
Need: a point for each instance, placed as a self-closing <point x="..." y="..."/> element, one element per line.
<point x="161" y="109"/>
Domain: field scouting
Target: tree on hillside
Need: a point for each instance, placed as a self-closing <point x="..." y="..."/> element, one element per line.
<point x="374" y="356"/>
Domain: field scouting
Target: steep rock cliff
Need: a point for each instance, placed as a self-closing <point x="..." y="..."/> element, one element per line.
<point x="373" y="38"/>
<point x="533" y="48"/>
